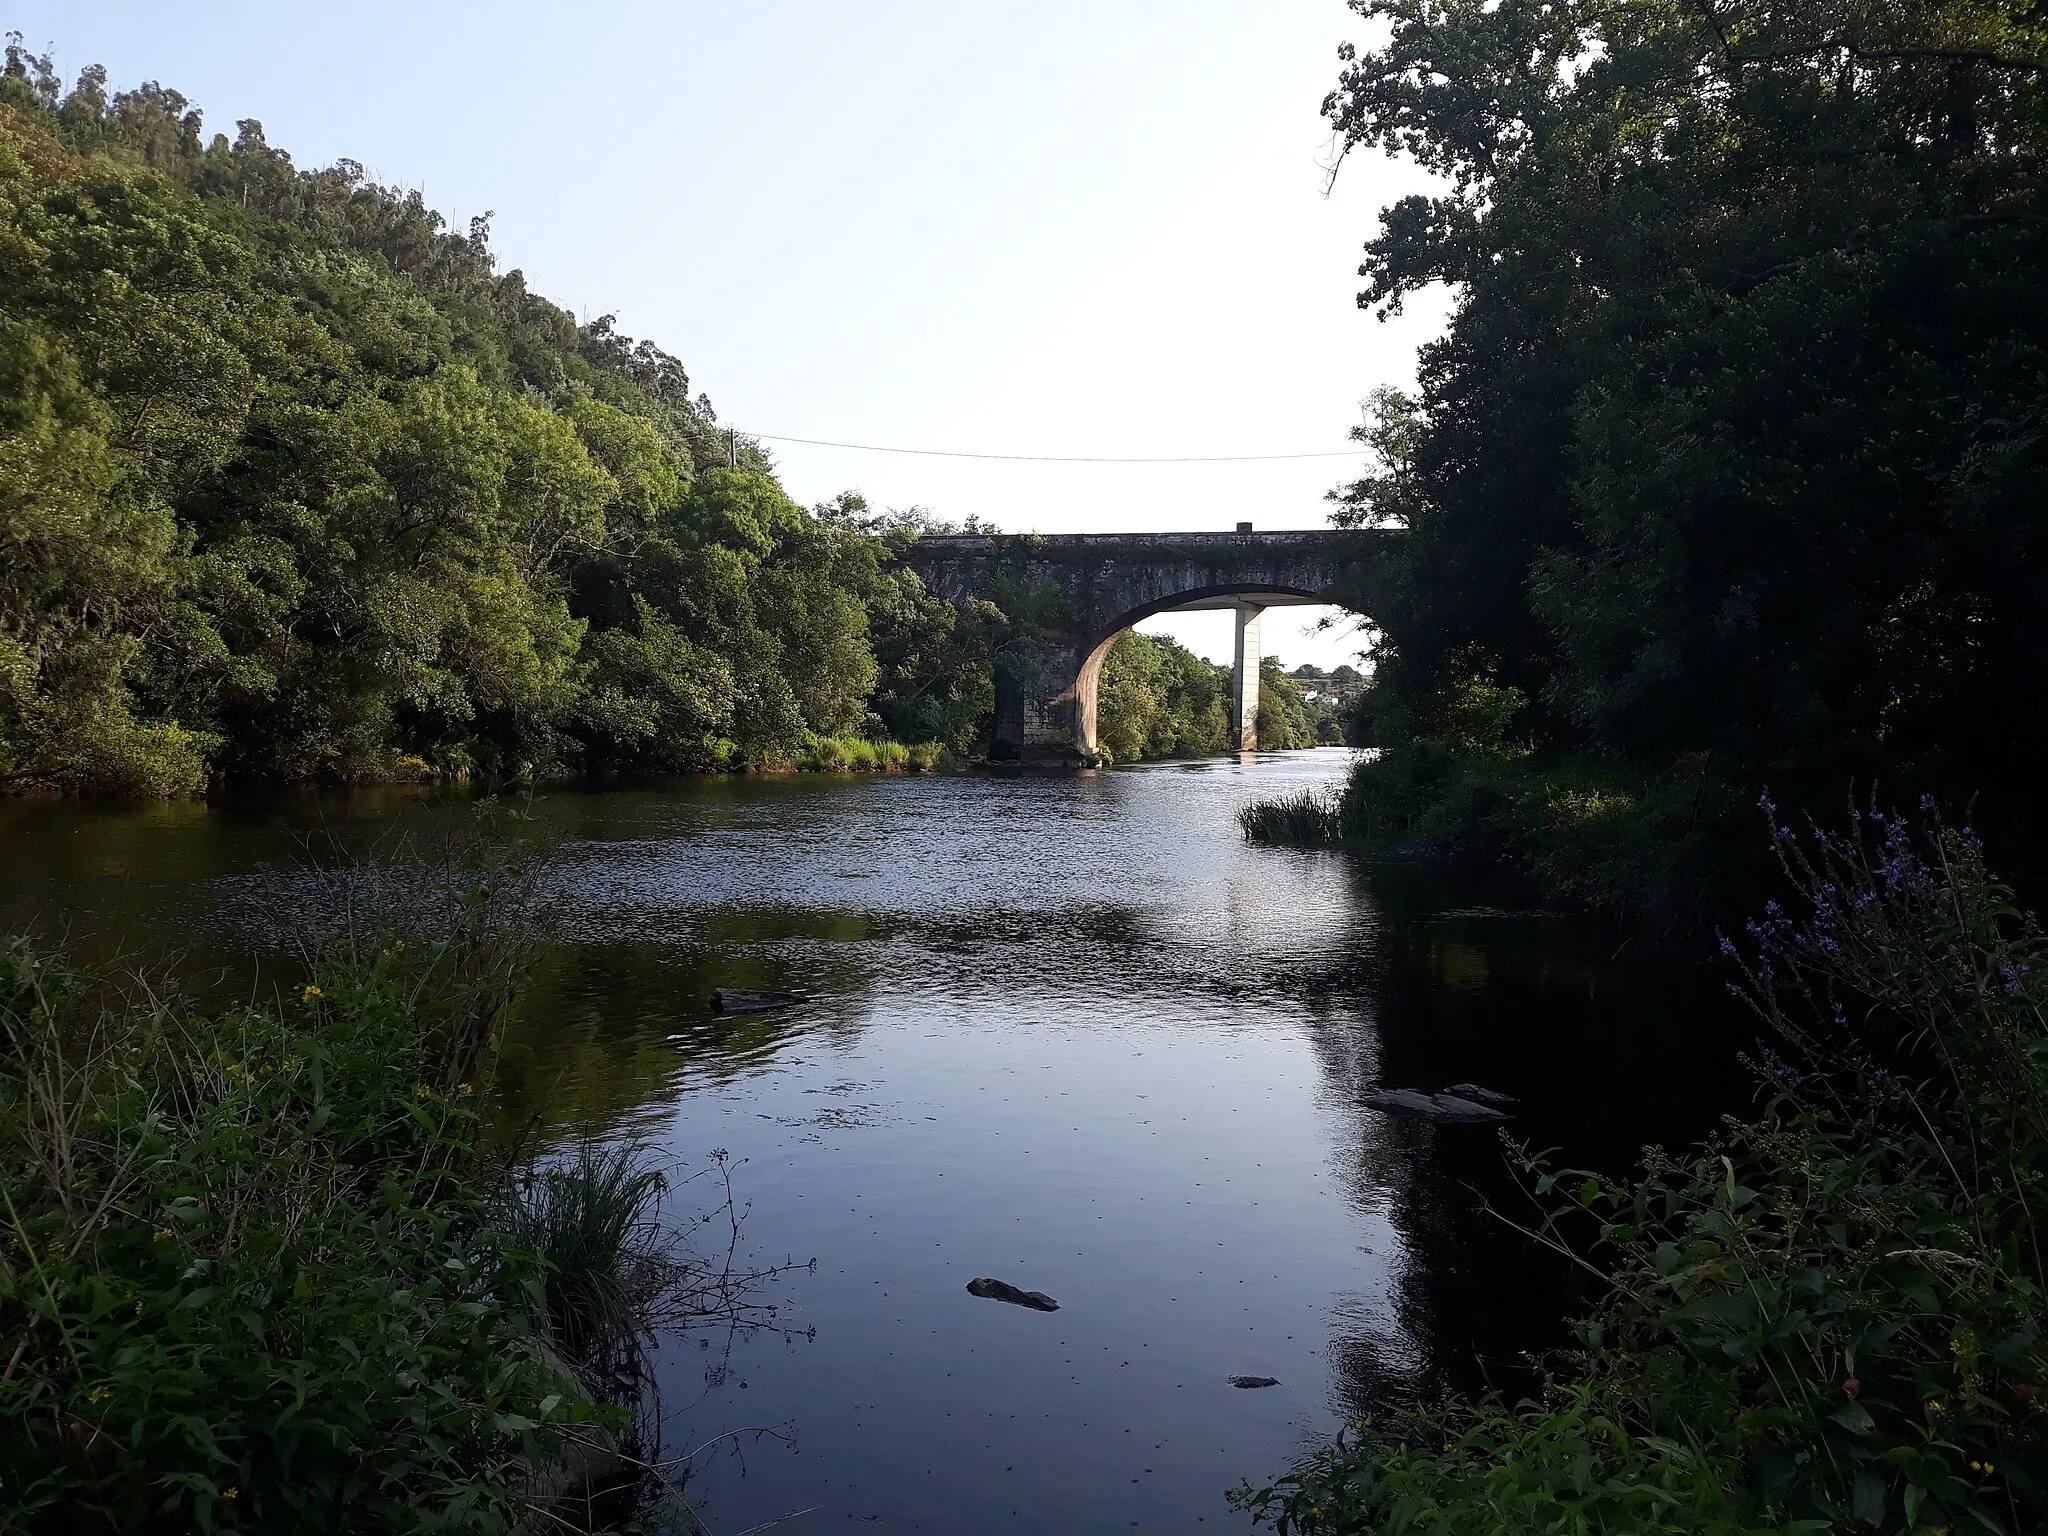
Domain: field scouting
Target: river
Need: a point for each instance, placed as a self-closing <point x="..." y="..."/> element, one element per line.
<point x="1068" y="1032"/>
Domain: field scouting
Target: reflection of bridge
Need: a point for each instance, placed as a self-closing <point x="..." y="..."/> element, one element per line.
<point x="1068" y="596"/>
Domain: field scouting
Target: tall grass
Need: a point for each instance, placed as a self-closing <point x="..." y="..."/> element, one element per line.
<point x="590" y="1221"/>
<point x="856" y="754"/>
<point x="248" y="1273"/>
<point x="1305" y="819"/>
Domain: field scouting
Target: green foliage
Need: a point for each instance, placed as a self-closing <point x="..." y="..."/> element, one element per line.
<point x="1285" y="722"/>
<point x="1156" y="698"/>
<point x="294" y="484"/>
<point x="1649" y="848"/>
<point x="586" y="1220"/>
<point x="1829" y="1319"/>
<point x="1733" y="444"/>
<point x="249" y="1275"/>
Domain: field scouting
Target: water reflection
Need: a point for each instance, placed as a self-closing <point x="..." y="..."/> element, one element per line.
<point x="1066" y="1032"/>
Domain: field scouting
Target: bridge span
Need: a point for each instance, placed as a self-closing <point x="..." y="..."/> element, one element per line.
<point x="1069" y="595"/>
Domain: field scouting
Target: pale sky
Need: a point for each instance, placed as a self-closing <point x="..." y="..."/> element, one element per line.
<point x="1059" y="228"/>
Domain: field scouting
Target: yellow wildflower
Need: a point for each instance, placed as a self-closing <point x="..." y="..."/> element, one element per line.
<point x="164" y="1234"/>
<point x="313" y="992"/>
<point x="99" y="1394"/>
<point x="422" y="1091"/>
<point x="231" y="1494"/>
<point x="462" y="1088"/>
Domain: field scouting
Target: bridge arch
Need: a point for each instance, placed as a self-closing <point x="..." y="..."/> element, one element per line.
<point x="1106" y="582"/>
<point x="1250" y="601"/>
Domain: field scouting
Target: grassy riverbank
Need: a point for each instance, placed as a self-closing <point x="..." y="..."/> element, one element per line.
<point x="262" y="1268"/>
<point x="1830" y="1317"/>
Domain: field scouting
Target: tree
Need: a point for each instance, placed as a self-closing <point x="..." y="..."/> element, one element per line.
<point x="1734" y="439"/>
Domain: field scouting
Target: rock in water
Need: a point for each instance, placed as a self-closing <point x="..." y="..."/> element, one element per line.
<point x="745" y="1000"/>
<point x="1492" y="1097"/>
<point x="1002" y="1290"/>
<point x="1255" y="1381"/>
<point x="1430" y="1106"/>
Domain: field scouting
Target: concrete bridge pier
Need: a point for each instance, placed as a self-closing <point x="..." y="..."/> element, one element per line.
<point x="1244" y="678"/>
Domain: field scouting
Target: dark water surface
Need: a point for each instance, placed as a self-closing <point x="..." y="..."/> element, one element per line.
<point x="1068" y="1032"/>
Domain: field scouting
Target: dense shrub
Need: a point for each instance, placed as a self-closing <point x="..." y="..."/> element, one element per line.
<point x="249" y="1274"/>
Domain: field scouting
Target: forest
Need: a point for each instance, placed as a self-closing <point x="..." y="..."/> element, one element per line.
<point x="297" y="485"/>
<point x="1727" y="471"/>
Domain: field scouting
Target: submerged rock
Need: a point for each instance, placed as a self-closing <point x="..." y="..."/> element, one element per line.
<point x="1478" y="1095"/>
<point x="1254" y="1381"/>
<point x="1430" y="1106"/>
<point x="745" y="1000"/>
<point x="1002" y="1290"/>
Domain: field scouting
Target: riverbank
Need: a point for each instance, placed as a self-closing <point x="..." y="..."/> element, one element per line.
<point x="1668" y="852"/>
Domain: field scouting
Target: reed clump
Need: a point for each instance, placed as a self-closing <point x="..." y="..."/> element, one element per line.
<point x="857" y="754"/>
<point x="1305" y="819"/>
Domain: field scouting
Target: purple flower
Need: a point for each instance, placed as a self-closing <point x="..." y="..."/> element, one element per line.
<point x="1728" y="947"/>
<point x="2014" y="976"/>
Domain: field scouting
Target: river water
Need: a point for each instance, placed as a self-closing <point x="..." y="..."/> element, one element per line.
<point x="1068" y="1032"/>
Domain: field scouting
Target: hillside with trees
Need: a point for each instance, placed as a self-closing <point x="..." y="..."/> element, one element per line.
<point x="296" y="484"/>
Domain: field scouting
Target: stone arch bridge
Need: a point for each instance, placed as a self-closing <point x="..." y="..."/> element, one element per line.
<point x="1070" y="595"/>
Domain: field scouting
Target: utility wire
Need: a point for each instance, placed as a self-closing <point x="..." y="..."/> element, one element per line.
<point x="1045" y="458"/>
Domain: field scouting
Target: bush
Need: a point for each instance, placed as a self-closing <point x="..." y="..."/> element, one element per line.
<point x="1830" y="1319"/>
<point x="1656" y="849"/>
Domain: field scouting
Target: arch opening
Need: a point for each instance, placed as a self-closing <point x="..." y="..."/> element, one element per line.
<point x="1248" y="602"/>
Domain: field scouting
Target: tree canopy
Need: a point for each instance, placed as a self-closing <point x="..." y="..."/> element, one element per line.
<point x="295" y="483"/>
<point x="1734" y="443"/>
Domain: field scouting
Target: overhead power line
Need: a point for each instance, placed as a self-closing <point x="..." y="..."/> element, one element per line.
<point x="1049" y="458"/>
